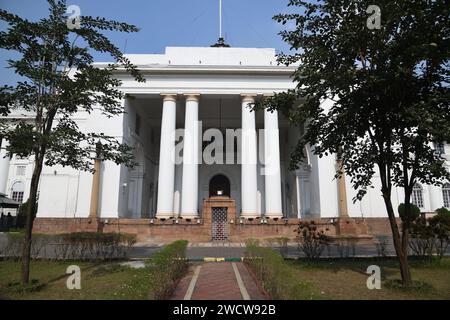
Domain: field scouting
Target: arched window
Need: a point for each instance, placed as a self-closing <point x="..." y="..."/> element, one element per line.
<point x="17" y="191"/>
<point x="417" y="195"/>
<point x="446" y="195"/>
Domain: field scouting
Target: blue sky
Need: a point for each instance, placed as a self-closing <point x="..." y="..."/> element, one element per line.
<point x="246" y="23"/>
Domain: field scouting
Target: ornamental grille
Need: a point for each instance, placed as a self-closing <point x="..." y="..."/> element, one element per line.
<point x="219" y="224"/>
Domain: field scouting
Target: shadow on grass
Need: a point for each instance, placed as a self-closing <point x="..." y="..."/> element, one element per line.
<point x="36" y="286"/>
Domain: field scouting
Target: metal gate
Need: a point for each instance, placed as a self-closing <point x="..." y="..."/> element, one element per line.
<point x="219" y="223"/>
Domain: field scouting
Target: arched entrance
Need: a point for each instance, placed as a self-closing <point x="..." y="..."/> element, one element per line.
<point x="219" y="185"/>
<point x="219" y="208"/>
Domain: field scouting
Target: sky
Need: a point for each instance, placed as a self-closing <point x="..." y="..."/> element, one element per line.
<point x="164" y="23"/>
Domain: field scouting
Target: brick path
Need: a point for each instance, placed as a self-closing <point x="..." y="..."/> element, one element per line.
<point x="218" y="281"/>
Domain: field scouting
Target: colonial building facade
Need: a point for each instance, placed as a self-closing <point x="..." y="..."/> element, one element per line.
<point x="204" y="157"/>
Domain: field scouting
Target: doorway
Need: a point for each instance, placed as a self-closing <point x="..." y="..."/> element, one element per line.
<point x="219" y="186"/>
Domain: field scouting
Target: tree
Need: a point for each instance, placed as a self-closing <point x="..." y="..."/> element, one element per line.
<point x="389" y="87"/>
<point x="60" y="80"/>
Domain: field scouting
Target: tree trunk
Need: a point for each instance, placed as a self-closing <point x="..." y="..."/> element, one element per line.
<point x="400" y="243"/>
<point x="31" y="212"/>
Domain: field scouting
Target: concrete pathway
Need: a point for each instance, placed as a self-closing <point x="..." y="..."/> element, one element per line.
<point x="218" y="281"/>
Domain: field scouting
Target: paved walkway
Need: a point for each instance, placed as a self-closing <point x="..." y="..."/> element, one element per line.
<point x="218" y="281"/>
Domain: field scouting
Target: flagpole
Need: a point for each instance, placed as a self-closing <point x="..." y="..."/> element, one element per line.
<point x="220" y="18"/>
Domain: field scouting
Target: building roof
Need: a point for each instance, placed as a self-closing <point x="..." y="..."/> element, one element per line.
<point x="6" y="202"/>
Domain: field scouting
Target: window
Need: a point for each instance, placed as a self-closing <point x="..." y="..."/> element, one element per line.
<point x="446" y="195"/>
<point x="17" y="191"/>
<point x="20" y="170"/>
<point x="417" y="196"/>
<point x="440" y="148"/>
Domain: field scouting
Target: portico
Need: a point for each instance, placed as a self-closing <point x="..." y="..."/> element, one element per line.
<point x="188" y="206"/>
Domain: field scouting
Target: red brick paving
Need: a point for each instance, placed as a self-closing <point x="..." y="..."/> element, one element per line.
<point x="217" y="281"/>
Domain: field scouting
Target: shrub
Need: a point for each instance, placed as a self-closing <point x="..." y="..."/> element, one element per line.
<point x="443" y="212"/>
<point x="275" y="275"/>
<point x="431" y="235"/>
<point x="14" y="245"/>
<point x="440" y="226"/>
<point x="422" y="238"/>
<point x="410" y="216"/>
<point x="311" y="240"/>
<point x="168" y="266"/>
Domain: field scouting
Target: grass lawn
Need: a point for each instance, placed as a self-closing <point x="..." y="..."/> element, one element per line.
<point x="346" y="278"/>
<point x="98" y="281"/>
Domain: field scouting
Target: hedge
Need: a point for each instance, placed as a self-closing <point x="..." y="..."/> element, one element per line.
<point x="71" y="246"/>
<point x="275" y="274"/>
<point x="168" y="266"/>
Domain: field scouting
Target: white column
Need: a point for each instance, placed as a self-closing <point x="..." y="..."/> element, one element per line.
<point x="189" y="191"/>
<point x="436" y="198"/>
<point x="272" y="165"/>
<point x="4" y="167"/>
<point x="248" y="160"/>
<point x="166" y="175"/>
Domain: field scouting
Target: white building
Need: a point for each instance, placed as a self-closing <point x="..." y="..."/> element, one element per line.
<point x="214" y="86"/>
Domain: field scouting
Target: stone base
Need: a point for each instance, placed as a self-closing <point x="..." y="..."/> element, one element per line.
<point x="350" y="226"/>
<point x="199" y="230"/>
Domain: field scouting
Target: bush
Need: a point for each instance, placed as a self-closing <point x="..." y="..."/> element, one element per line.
<point x="422" y="238"/>
<point x="168" y="266"/>
<point x="275" y="275"/>
<point x="410" y="216"/>
<point x="440" y="226"/>
<point x="432" y="235"/>
<point x="311" y="240"/>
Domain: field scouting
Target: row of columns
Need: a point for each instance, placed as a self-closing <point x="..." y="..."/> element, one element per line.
<point x="189" y="200"/>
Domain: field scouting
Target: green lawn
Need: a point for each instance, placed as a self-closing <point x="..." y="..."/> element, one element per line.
<point x="98" y="281"/>
<point x="346" y="278"/>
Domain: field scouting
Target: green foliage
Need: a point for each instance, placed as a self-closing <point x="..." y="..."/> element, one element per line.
<point x="443" y="212"/>
<point x="432" y="235"/>
<point x="281" y="243"/>
<point x="440" y="225"/>
<point x="422" y="240"/>
<point x="61" y="80"/>
<point x="22" y="214"/>
<point x="408" y="215"/>
<point x="388" y="89"/>
<point x="276" y="276"/>
<point x="418" y="286"/>
<point x="377" y="98"/>
<point x="168" y="266"/>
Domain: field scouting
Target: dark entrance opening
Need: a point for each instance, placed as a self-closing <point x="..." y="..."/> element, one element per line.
<point x="219" y="186"/>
